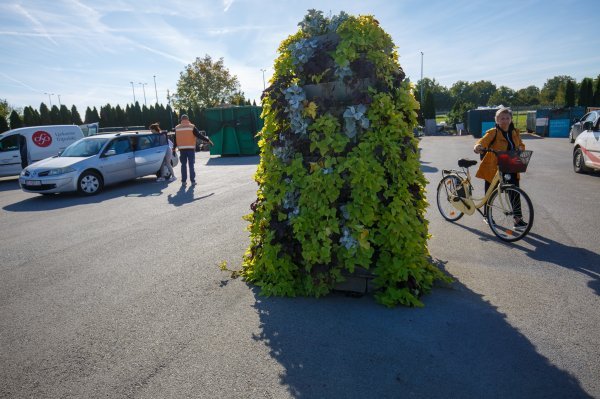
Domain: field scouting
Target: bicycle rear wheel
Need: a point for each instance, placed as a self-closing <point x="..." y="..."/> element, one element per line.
<point x="446" y="191"/>
<point x="510" y="213"/>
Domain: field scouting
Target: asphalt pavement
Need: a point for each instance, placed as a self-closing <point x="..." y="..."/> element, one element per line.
<point x="120" y="295"/>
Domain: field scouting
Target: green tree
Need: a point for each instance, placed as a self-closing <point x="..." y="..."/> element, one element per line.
<point x="65" y="115"/>
<point x="91" y="115"/>
<point x="477" y="92"/>
<point x="106" y="116"/>
<point x="44" y="115"/>
<point x="441" y="95"/>
<point x="5" y="109"/>
<point x="560" y="99"/>
<point x="550" y="90"/>
<point x="120" y="117"/>
<point x="528" y="96"/>
<point x="502" y="96"/>
<point x="596" y="100"/>
<point x="54" y="115"/>
<point x="3" y="124"/>
<point x="458" y="113"/>
<point x="15" y="120"/>
<point x="30" y="117"/>
<point x="205" y="83"/>
<point x="570" y="93"/>
<point x="586" y="93"/>
<point x="429" y="106"/>
<point x="75" y="117"/>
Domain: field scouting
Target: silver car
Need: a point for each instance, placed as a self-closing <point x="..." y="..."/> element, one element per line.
<point x="93" y="162"/>
<point x="577" y="127"/>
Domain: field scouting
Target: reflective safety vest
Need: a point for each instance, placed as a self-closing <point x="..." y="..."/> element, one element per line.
<point x="184" y="136"/>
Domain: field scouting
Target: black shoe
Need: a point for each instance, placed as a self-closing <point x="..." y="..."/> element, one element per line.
<point x="521" y="225"/>
<point x="193" y="182"/>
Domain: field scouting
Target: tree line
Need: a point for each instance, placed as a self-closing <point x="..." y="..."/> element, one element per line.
<point x="107" y="116"/>
<point x="558" y="92"/>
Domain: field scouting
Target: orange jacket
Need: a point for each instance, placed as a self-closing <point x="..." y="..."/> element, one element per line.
<point x="184" y="136"/>
<point x="489" y="164"/>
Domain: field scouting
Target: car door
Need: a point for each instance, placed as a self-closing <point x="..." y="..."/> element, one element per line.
<point x="117" y="161"/>
<point x="149" y="154"/>
<point x="10" y="157"/>
<point x="593" y="145"/>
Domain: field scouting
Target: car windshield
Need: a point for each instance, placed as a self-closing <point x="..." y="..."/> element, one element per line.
<point x="84" y="147"/>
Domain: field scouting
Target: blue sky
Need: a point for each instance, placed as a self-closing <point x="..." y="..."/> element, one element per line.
<point x="88" y="52"/>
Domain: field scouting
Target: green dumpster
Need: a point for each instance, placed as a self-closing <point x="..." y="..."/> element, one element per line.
<point x="233" y="130"/>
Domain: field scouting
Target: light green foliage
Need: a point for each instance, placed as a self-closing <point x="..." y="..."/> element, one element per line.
<point x="329" y="201"/>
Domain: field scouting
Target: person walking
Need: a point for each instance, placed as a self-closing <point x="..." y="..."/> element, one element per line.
<point x="185" y="140"/>
<point x="167" y="165"/>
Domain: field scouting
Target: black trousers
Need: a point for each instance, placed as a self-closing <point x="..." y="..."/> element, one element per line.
<point x="515" y="198"/>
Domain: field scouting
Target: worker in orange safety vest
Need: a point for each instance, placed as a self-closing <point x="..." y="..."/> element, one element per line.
<point x="185" y="140"/>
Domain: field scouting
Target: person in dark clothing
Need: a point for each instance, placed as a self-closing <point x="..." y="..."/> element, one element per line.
<point x="23" y="151"/>
<point x="185" y="141"/>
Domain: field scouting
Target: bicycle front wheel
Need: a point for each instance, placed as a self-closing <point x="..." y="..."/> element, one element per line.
<point x="446" y="192"/>
<point x="510" y="213"/>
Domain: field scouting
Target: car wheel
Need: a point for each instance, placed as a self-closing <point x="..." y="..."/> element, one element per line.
<point x="579" y="162"/>
<point x="89" y="183"/>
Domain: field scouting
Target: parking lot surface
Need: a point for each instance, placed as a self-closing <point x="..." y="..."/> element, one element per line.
<point x="120" y="295"/>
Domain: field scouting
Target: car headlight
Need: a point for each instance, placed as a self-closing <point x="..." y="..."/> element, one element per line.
<point x="60" y="171"/>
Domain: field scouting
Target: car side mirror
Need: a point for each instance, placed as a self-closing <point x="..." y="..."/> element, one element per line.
<point x="110" y="153"/>
<point x="60" y="153"/>
<point x="588" y="125"/>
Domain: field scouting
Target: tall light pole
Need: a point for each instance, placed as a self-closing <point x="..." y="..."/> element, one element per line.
<point x="132" y="88"/>
<point x="170" y="109"/>
<point x="59" y="104"/>
<point x="263" y="71"/>
<point x="422" y="99"/>
<point x="155" y="92"/>
<point x="144" y="90"/>
<point x="49" y="98"/>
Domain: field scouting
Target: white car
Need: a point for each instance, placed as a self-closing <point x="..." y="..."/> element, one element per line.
<point x="93" y="162"/>
<point x="586" y="151"/>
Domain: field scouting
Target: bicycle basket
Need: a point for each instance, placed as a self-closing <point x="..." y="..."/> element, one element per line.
<point x="513" y="161"/>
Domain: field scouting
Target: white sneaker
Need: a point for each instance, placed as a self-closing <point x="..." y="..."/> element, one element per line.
<point x="172" y="178"/>
<point x="160" y="179"/>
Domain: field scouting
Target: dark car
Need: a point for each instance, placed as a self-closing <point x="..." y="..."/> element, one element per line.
<point x="577" y="127"/>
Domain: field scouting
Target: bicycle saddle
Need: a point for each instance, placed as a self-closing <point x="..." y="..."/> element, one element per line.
<point x="465" y="163"/>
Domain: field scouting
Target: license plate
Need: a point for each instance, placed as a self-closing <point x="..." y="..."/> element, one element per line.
<point x="33" y="182"/>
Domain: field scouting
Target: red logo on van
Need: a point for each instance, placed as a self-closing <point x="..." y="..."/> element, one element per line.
<point x="41" y="138"/>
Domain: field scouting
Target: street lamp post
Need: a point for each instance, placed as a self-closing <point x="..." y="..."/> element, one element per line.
<point x="422" y="99"/>
<point x="132" y="88"/>
<point x="155" y="92"/>
<point x="144" y="90"/>
<point x="49" y="98"/>
<point x="170" y="109"/>
<point x="59" y="104"/>
<point x="263" y="72"/>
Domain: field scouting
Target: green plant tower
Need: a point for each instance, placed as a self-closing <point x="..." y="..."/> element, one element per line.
<point x="339" y="182"/>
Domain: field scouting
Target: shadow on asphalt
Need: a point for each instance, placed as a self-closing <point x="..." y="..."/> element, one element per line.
<point x="574" y="258"/>
<point x="141" y="187"/>
<point x="233" y="160"/>
<point x="428" y="169"/>
<point x="9" y="184"/>
<point x="550" y="251"/>
<point x="458" y="346"/>
<point x="185" y="195"/>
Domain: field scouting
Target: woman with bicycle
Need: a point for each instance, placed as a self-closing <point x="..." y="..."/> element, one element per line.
<point x="503" y="137"/>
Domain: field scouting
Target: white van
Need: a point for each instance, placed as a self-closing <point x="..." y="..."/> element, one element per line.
<point x="23" y="146"/>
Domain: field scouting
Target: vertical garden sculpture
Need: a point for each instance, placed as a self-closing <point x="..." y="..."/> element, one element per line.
<point x="339" y="180"/>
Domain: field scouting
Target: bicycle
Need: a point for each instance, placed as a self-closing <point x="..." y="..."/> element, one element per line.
<point x="509" y="211"/>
